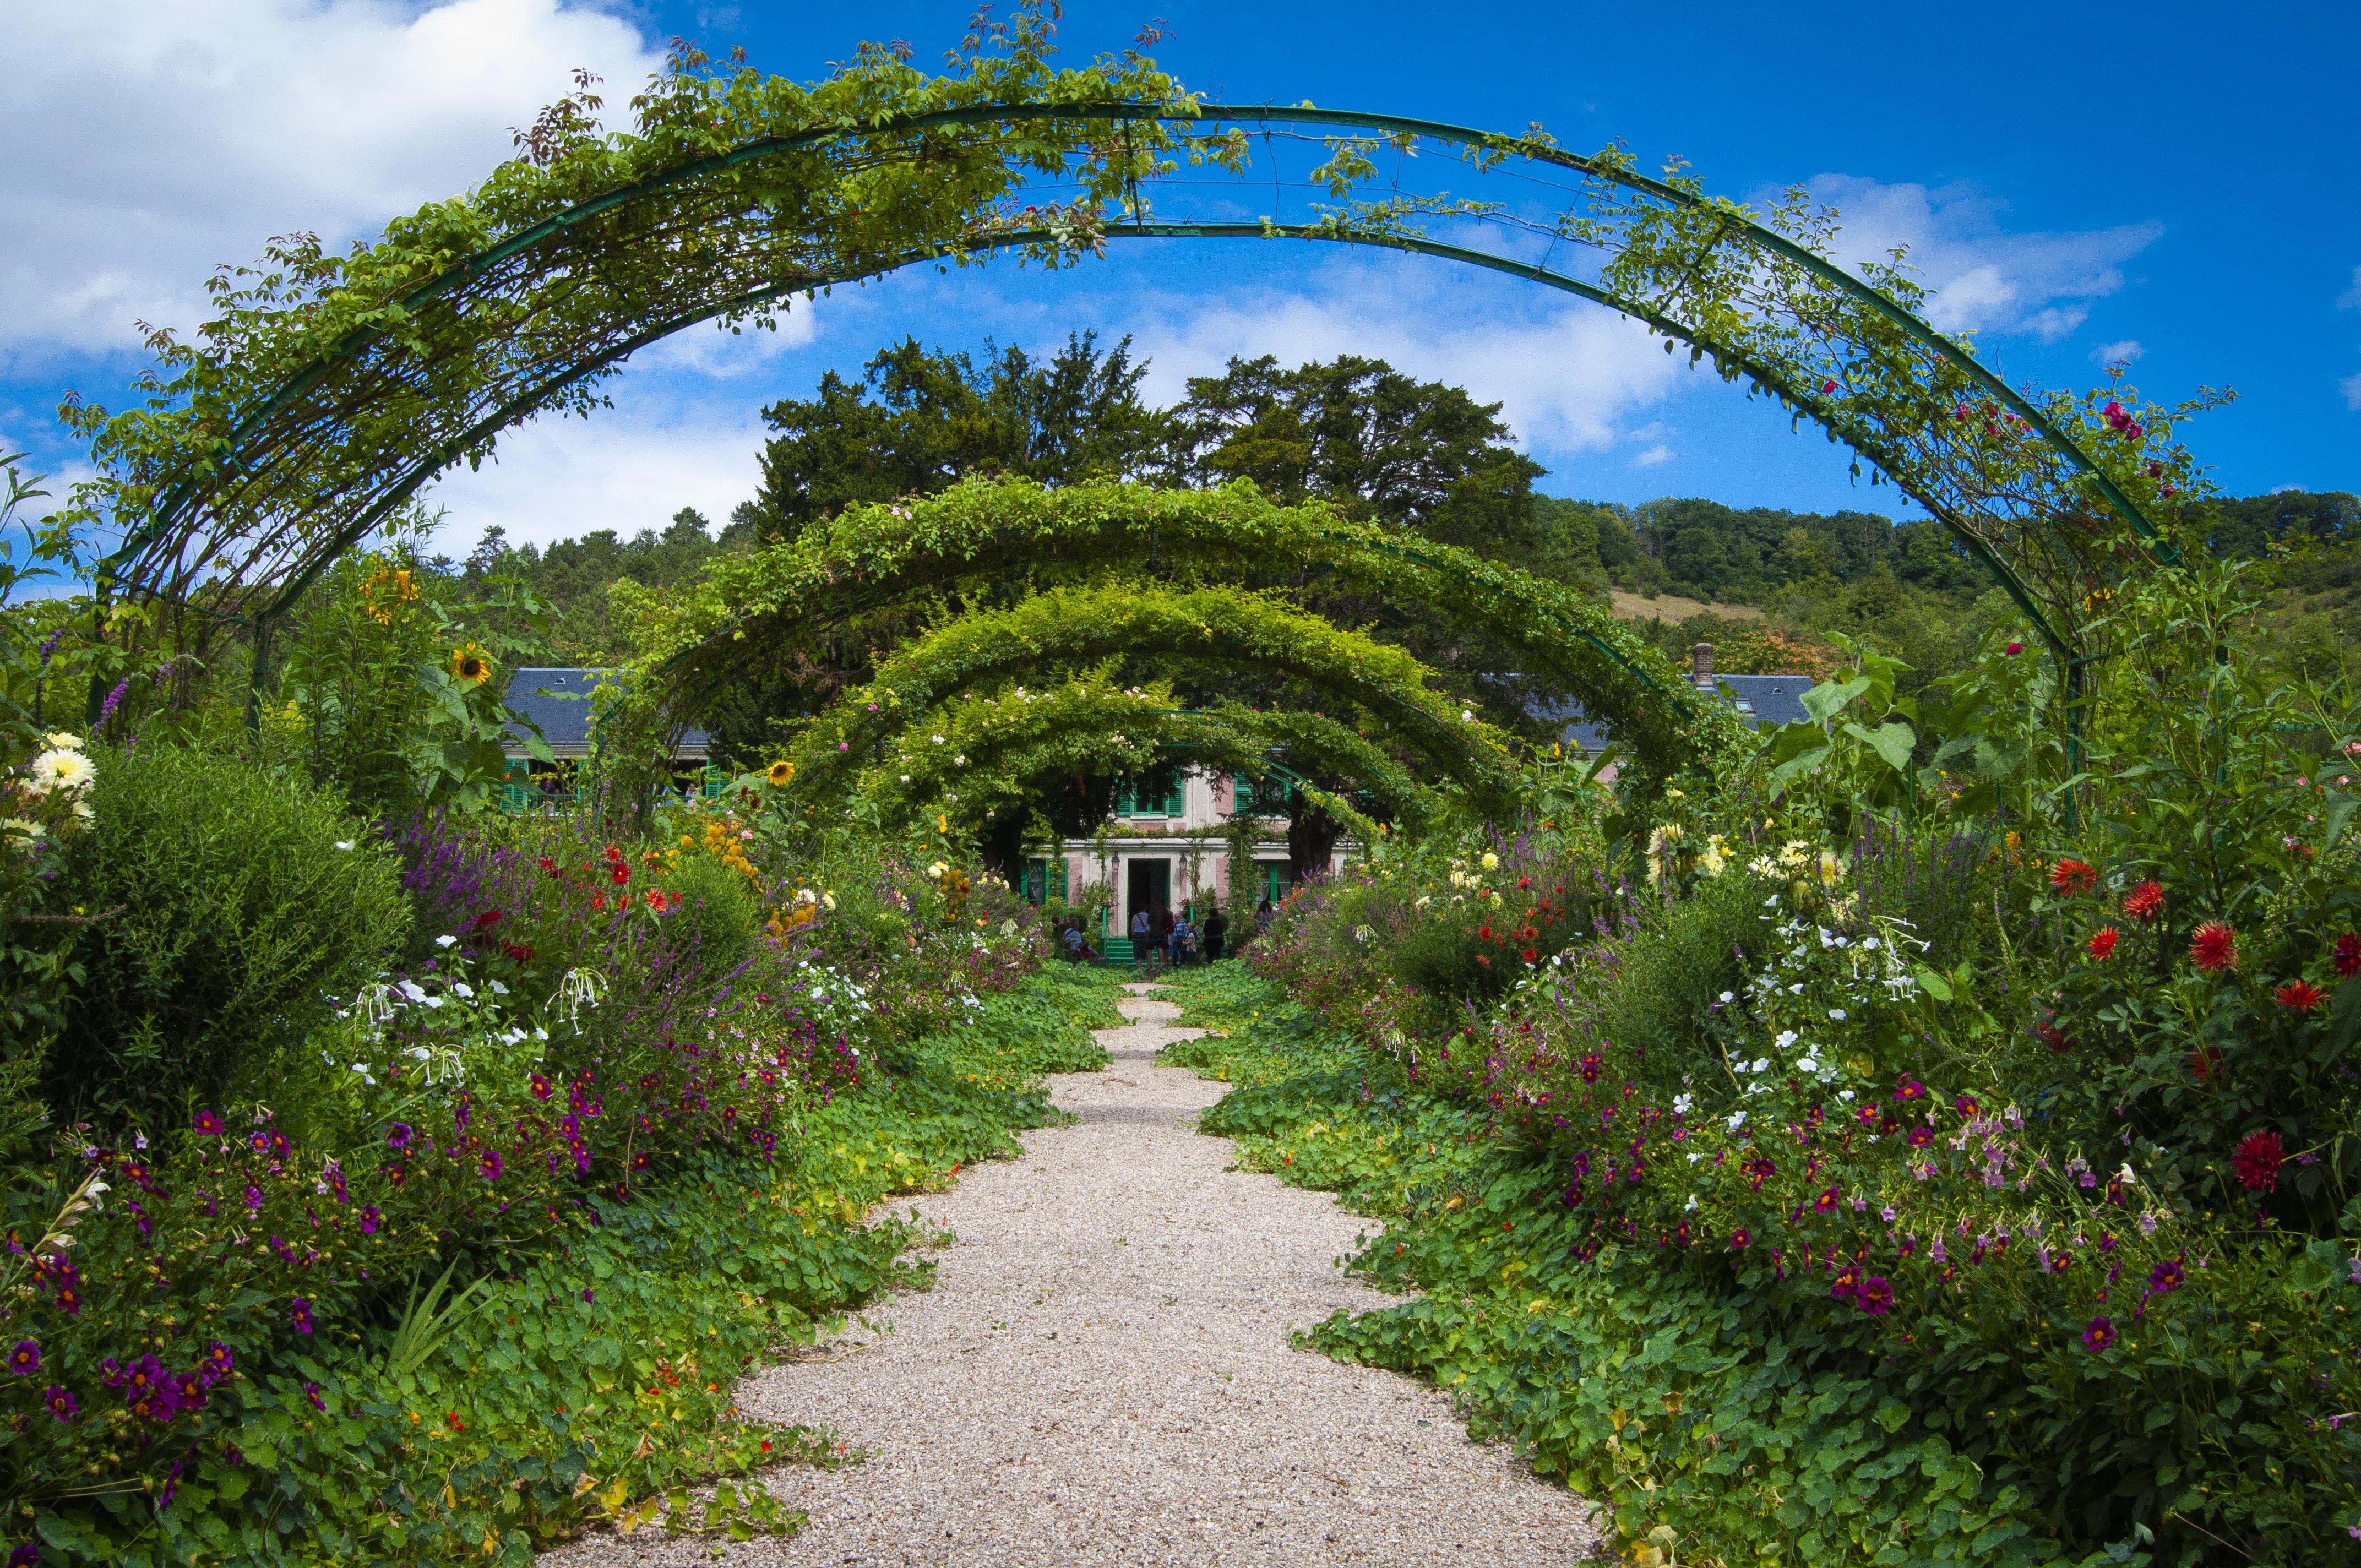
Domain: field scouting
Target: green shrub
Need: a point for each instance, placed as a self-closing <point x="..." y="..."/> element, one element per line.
<point x="1693" y="950"/>
<point x="719" y="918"/>
<point x="244" y="904"/>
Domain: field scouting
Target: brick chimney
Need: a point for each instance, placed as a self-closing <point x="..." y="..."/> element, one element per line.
<point x="1701" y="666"/>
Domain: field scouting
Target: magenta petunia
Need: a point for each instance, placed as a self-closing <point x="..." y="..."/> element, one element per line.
<point x="2100" y="1334"/>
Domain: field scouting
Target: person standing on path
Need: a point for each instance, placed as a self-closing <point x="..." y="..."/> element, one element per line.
<point x="1144" y="929"/>
<point x="1215" y="927"/>
<point x="1185" y="939"/>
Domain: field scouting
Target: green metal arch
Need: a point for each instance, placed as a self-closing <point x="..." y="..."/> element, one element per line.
<point x="232" y="459"/>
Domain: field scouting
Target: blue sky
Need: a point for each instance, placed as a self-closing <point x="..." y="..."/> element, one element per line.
<point x="2172" y="183"/>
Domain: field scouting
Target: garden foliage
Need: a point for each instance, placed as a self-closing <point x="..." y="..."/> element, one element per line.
<point x="1933" y="1147"/>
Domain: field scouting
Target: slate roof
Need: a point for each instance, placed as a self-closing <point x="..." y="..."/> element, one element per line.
<point x="564" y="716"/>
<point x="1762" y="700"/>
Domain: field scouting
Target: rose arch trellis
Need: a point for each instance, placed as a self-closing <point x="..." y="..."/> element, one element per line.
<point x="331" y="389"/>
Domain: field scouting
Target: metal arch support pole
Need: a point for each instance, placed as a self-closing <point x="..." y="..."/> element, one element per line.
<point x="261" y="667"/>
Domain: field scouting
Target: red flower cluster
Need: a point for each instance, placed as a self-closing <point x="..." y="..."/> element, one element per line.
<point x="2346" y="958"/>
<point x="2257" y="1160"/>
<point x="2073" y="877"/>
<point x="2102" y="945"/>
<point x="2144" y="903"/>
<point x="2214" y="948"/>
<point x="2299" y="994"/>
<point x="2122" y="423"/>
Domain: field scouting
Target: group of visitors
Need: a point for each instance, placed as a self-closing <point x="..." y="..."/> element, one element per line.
<point x="1162" y="937"/>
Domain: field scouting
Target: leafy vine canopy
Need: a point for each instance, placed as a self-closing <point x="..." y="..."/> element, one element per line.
<point x="965" y="760"/>
<point x="1003" y="695"/>
<point x="330" y="387"/>
<point x="961" y="544"/>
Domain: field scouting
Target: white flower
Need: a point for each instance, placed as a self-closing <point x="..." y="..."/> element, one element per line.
<point x="462" y="989"/>
<point x="905" y="778"/>
<point x="1786" y="1036"/>
<point x="412" y="989"/>
<point x="828" y="899"/>
<point x="1729" y="996"/>
<point x="19" y="828"/>
<point x="938" y="740"/>
<point x="1844" y="1093"/>
<point x="1838" y="1013"/>
<point x="445" y="941"/>
<point x="61" y="770"/>
<point x="1737" y="1120"/>
<point x="1682" y="1103"/>
<point x="1491" y="862"/>
<point x="1810" y="1064"/>
<point x="1691" y="1206"/>
<point x="64" y="740"/>
<point x="1467" y="716"/>
<point x="344" y="843"/>
<point x="1761" y="1064"/>
<point x="959" y="761"/>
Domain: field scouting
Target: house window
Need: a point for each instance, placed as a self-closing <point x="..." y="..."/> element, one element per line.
<point x="1265" y="796"/>
<point x="1158" y="794"/>
<point x="1042" y="881"/>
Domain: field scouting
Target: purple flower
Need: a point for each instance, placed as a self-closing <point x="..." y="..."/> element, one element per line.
<point x="1876" y="1296"/>
<point x="60" y="1402"/>
<point x="111" y="1373"/>
<point x="490" y="1166"/>
<point x="312" y="1392"/>
<point x="114" y="699"/>
<point x="253" y="1197"/>
<point x="29" y="1555"/>
<point x="217" y="1363"/>
<point x="208" y="1123"/>
<point x="300" y="1314"/>
<point x="26" y="1359"/>
<point x="370" y="1216"/>
<point x="585" y="1292"/>
<point x="398" y="1135"/>
<point x="2165" y="1278"/>
<point x="189" y="1391"/>
<point x="2100" y="1334"/>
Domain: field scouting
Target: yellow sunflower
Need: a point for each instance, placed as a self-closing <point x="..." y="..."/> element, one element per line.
<point x="470" y="665"/>
<point x="779" y="774"/>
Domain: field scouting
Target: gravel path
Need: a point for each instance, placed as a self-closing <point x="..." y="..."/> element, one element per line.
<point x="1102" y="1375"/>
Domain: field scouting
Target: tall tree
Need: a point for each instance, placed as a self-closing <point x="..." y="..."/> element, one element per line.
<point x="921" y="419"/>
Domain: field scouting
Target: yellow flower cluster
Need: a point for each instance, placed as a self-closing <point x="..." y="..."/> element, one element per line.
<point x="724" y="845"/>
<point x="390" y="592"/>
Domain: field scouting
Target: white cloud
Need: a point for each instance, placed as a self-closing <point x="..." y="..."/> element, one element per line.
<point x="2351" y="387"/>
<point x="148" y="140"/>
<point x="1657" y="454"/>
<point x="2122" y="353"/>
<point x="628" y="467"/>
<point x="2351" y="299"/>
<point x="1567" y="373"/>
<point x="1983" y="278"/>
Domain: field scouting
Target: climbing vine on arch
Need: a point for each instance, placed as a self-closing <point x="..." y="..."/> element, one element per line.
<point x="868" y="743"/>
<point x="329" y="389"/>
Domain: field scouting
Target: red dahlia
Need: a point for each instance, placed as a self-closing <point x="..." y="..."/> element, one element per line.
<point x="2073" y="877"/>
<point x="2257" y="1160"/>
<point x="2347" y="956"/>
<point x="2144" y="903"/>
<point x="2299" y="994"/>
<point x="2102" y="945"/>
<point x="2214" y="948"/>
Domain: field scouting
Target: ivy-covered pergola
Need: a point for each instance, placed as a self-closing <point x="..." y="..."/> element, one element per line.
<point x="331" y="388"/>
